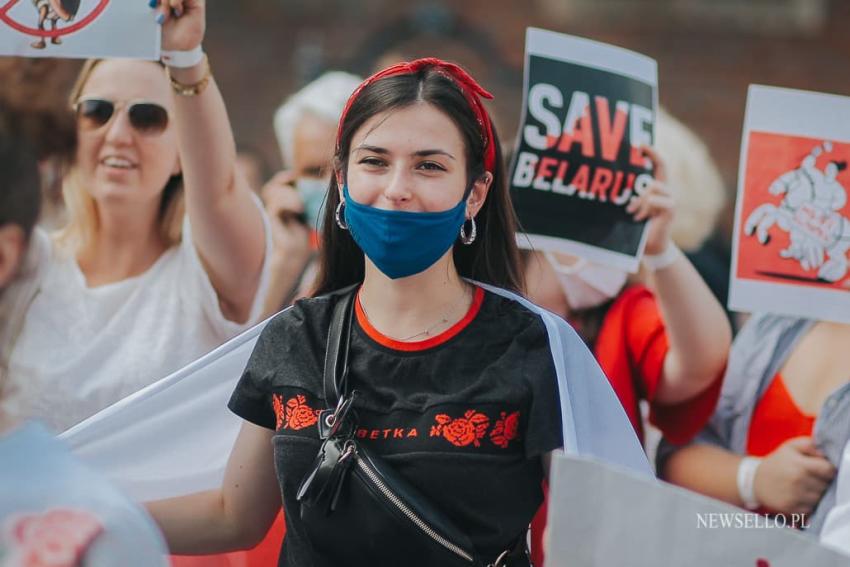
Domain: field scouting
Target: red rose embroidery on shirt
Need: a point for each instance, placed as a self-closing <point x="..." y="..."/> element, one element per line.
<point x="298" y="415"/>
<point x="464" y="430"/>
<point x="57" y="538"/>
<point x="277" y="404"/>
<point x="505" y="430"/>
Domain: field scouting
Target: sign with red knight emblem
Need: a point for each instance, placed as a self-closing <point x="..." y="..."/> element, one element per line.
<point x="78" y="28"/>
<point x="791" y="252"/>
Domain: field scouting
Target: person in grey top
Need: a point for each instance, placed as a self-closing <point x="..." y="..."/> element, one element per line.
<point x="783" y="419"/>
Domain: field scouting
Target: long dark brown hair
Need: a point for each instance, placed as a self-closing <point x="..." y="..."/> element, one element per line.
<point x="20" y="197"/>
<point x="35" y="125"/>
<point x="493" y="257"/>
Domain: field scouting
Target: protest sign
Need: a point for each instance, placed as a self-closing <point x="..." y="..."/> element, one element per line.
<point x="599" y="515"/>
<point x="79" y="28"/>
<point x="588" y="108"/>
<point x="792" y="218"/>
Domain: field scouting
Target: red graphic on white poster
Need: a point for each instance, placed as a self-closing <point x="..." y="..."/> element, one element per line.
<point x="48" y="14"/>
<point x="795" y="214"/>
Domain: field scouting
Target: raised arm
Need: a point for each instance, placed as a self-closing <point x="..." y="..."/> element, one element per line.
<point x="236" y="516"/>
<point x="227" y="226"/>
<point x="698" y="331"/>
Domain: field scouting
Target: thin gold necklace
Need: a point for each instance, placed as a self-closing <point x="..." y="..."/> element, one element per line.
<point x="444" y="319"/>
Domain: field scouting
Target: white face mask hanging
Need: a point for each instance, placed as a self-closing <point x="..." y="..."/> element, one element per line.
<point x="587" y="284"/>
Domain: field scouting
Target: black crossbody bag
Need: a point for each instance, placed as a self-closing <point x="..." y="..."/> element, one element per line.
<point x="355" y="508"/>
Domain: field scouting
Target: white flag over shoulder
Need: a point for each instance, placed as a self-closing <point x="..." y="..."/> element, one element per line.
<point x="175" y="436"/>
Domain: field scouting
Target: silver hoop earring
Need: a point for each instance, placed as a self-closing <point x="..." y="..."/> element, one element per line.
<point x="338" y="215"/>
<point x="473" y="232"/>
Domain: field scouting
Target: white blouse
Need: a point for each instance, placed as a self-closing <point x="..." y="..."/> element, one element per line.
<point x="81" y="349"/>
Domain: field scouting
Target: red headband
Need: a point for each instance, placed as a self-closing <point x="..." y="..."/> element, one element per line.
<point x="471" y="90"/>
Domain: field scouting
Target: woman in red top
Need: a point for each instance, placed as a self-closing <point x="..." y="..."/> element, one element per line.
<point x="664" y="342"/>
<point x="761" y="449"/>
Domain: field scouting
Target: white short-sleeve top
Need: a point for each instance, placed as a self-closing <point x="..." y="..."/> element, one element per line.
<point x="81" y="349"/>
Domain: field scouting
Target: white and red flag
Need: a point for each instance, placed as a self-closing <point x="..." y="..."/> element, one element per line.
<point x="175" y="436"/>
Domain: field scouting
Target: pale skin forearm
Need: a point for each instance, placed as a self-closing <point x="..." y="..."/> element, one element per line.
<point x="234" y="517"/>
<point x="226" y="223"/>
<point x="698" y="332"/>
<point x="179" y="519"/>
<point x="706" y="469"/>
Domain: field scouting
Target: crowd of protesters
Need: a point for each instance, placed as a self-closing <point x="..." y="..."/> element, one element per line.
<point x="392" y="201"/>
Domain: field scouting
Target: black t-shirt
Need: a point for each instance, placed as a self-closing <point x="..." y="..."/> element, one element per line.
<point x="464" y="416"/>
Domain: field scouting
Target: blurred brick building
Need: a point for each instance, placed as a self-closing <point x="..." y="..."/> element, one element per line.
<point x="708" y="51"/>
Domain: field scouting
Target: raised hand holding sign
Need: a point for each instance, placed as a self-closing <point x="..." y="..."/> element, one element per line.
<point x="183" y="23"/>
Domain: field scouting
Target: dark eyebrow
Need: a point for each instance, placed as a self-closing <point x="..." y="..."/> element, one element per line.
<point x="425" y="153"/>
<point x="373" y="149"/>
<point x="420" y="153"/>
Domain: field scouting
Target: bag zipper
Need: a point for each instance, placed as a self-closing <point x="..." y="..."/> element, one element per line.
<point x="411" y="515"/>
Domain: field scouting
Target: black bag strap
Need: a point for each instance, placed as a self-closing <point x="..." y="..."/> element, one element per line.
<point x="336" y="355"/>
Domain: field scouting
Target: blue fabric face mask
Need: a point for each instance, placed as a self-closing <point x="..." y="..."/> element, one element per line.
<point x="402" y="243"/>
<point x="312" y="192"/>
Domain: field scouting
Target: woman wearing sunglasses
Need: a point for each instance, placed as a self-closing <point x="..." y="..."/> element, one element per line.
<point x="163" y="256"/>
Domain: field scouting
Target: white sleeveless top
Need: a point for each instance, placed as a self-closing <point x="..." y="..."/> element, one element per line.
<point x="81" y="349"/>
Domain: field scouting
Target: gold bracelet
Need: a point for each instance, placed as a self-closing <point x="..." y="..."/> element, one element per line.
<point x="193" y="89"/>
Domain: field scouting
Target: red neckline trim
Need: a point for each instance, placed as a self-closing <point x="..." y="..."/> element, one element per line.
<point x="447" y="335"/>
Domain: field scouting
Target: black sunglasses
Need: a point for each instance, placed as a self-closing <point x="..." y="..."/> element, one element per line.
<point x="145" y="117"/>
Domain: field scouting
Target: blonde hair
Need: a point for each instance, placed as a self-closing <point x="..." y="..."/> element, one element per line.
<point x="693" y="179"/>
<point x="83" y="218"/>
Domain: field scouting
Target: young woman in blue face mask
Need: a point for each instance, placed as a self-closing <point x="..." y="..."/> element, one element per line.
<point x="456" y="386"/>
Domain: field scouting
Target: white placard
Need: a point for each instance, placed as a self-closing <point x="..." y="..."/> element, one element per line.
<point x="792" y="216"/>
<point x="79" y="29"/>
<point x="603" y="517"/>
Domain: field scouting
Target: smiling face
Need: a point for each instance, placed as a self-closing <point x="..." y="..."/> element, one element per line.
<point x="116" y="162"/>
<point x="384" y="153"/>
<point x="410" y="159"/>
